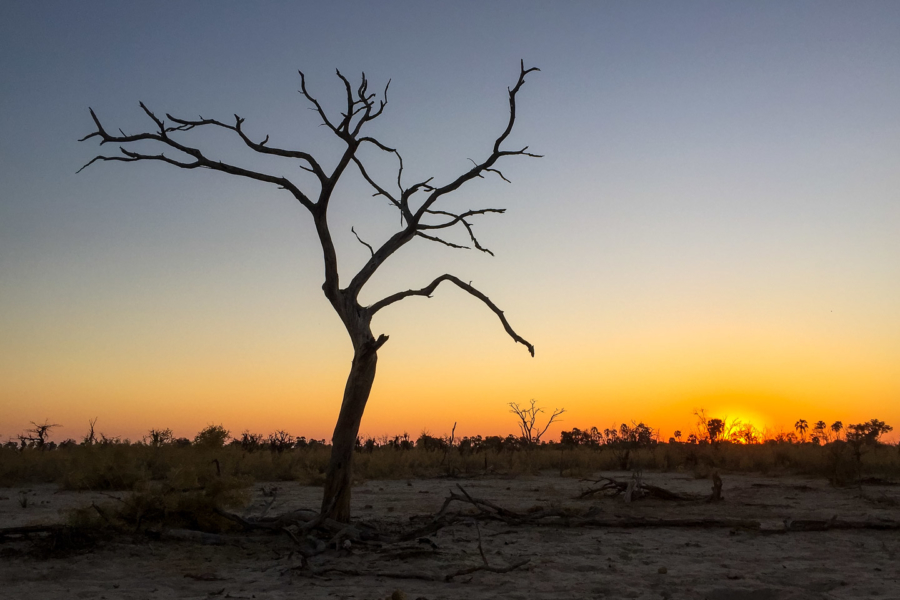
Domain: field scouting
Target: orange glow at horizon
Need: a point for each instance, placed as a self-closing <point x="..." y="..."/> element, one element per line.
<point x="712" y="225"/>
<point x="659" y="378"/>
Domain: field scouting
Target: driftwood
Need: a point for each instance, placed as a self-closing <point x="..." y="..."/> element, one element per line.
<point x="636" y="488"/>
<point x="30" y="529"/>
<point x="835" y="523"/>
<point x="196" y="537"/>
<point x="486" y="510"/>
<point x="306" y="519"/>
<point x="421" y="575"/>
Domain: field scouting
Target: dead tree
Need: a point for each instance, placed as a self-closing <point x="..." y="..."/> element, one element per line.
<point x="37" y="435"/>
<point x="422" y="216"/>
<point x="528" y="425"/>
<point x="90" y="438"/>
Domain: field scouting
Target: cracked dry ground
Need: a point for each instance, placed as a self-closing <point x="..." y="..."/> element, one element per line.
<point x="575" y="562"/>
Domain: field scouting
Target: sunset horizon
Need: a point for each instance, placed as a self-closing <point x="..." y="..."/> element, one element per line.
<point x="713" y="223"/>
<point x="481" y="299"/>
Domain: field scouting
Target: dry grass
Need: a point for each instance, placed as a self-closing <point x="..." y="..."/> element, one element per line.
<point x="123" y="466"/>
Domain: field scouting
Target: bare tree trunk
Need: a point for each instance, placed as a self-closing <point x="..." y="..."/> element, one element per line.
<point x="422" y="217"/>
<point x="336" y="498"/>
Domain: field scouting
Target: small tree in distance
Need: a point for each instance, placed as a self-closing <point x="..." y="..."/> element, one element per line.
<point x="716" y="430"/>
<point x="90" y="438"/>
<point x="836" y="429"/>
<point x="161" y="437"/>
<point x="212" y="436"/>
<point x="422" y="217"/>
<point x="527" y="421"/>
<point x="37" y="435"/>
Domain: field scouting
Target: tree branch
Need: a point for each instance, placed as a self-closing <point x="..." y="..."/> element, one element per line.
<point x="379" y="191"/>
<point x="188" y="124"/>
<point x="315" y="103"/>
<point x="556" y="413"/>
<point x="359" y="239"/>
<point x="427" y="291"/>
<point x="497" y="153"/>
<point x="461" y="218"/>
<point x="457" y="218"/>
<point x="362" y="107"/>
<point x="441" y="241"/>
<point x="200" y="160"/>
<point x="414" y="226"/>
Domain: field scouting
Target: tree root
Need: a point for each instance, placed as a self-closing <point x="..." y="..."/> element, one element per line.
<point x="305" y="568"/>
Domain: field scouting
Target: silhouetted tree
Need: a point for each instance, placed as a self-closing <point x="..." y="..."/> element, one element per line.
<point x="422" y="216"/>
<point x="430" y="443"/>
<point x="715" y="428"/>
<point x="861" y="436"/>
<point x="820" y="430"/>
<point x="745" y="434"/>
<point x="159" y="437"/>
<point x="869" y="432"/>
<point x="709" y="430"/>
<point x="629" y="438"/>
<point x="37" y="435"/>
<point x="90" y="437"/>
<point x="280" y="441"/>
<point x="836" y="428"/>
<point x="212" y="436"/>
<point x="801" y="426"/>
<point x="576" y="437"/>
<point x="528" y="425"/>
<point x="250" y="442"/>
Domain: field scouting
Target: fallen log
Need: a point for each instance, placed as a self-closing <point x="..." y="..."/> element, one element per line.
<point x="488" y="568"/>
<point x="678" y="523"/>
<point x="196" y="537"/>
<point x="29" y="529"/>
<point x="799" y="525"/>
<point x="487" y="510"/>
<point x="638" y="489"/>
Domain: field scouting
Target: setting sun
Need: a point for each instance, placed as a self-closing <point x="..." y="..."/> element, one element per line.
<point x="469" y="299"/>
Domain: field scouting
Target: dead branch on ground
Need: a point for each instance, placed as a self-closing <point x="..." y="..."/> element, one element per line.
<point x="635" y="489"/>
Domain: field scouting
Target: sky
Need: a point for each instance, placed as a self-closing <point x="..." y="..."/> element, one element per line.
<point x="715" y="223"/>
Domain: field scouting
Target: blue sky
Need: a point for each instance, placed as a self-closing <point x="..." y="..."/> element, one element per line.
<point x="717" y="209"/>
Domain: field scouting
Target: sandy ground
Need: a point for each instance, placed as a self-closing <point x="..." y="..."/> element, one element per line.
<point x="667" y="563"/>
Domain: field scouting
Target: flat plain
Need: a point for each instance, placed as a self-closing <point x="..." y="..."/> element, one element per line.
<point x="772" y="562"/>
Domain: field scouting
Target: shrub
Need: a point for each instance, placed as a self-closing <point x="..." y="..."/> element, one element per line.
<point x="213" y="436"/>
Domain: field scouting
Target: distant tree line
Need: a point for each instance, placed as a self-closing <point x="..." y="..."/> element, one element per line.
<point x="621" y="440"/>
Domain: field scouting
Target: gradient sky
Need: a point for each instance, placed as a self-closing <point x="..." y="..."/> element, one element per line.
<point x="716" y="222"/>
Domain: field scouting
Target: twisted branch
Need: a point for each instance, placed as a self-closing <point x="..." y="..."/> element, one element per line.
<point x="497" y="153"/>
<point x="427" y="291"/>
<point x="359" y="239"/>
<point x="261" y="147"/>
<point x="200" y="160"/>
<point x="415" y="227"/>
<point x="362" y="106"/>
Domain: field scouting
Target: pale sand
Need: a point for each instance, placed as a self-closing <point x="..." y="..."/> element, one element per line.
<point x="714" y="564"/>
